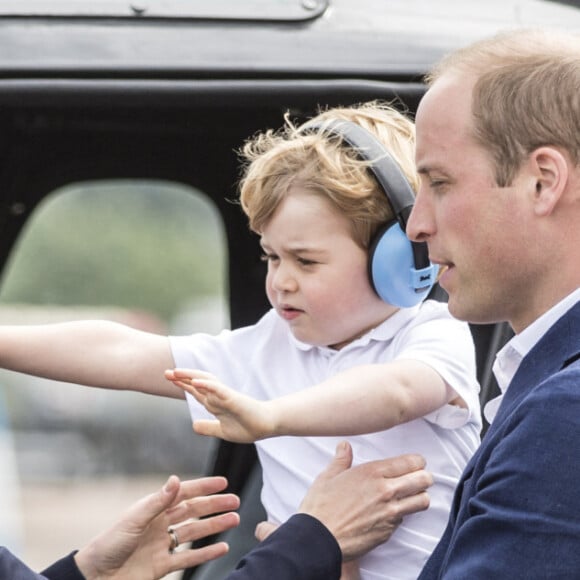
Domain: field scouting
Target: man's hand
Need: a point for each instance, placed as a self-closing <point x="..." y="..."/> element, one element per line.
<point x="138" y="545"/>
<point x="239" y="418"/>
<point x="362" y="506"/>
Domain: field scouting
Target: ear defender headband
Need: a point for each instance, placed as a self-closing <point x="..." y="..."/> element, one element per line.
<point x="399" y="269"/>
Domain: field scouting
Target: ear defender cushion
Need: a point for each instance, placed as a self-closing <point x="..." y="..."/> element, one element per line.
<point x="391" y="268"/>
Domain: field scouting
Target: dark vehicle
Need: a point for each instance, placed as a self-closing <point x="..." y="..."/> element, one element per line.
<point x="168" y="90"/>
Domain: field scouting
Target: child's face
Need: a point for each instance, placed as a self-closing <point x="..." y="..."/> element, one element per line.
<point x="317" y="275"/>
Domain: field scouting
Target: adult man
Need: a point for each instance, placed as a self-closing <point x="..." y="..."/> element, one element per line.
<point x="139" y="544"/>
<point x="498" y="149"/>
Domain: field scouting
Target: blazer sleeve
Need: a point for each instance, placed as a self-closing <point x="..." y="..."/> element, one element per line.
<point x="524" y="510"/>
<point x="300" y="548"/>
<point x="64" y="569"/>
<point x="15" y="569"/>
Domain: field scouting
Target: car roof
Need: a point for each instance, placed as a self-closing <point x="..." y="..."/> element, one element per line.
<point x="253" y="40"/>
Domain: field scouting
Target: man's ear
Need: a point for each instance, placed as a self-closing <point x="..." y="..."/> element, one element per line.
<point x="551" y="169"/>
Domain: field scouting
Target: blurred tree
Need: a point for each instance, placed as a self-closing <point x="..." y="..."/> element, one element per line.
<point x="148" y="245"/>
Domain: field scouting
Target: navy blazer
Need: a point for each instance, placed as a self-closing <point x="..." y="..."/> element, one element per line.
<point x="516" y="511"/>
<point x="301" y="548"/>
<point x="11" y="568"/>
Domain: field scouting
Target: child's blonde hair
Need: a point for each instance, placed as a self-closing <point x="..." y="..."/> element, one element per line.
<point x="277" y="161"/>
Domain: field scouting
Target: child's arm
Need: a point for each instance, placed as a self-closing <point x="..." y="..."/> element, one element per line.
<point x="363" y="399"/>
<point x="95" y="353"/>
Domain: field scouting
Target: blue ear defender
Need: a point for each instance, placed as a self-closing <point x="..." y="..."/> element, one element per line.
<point x="392" y="270"/>
<point x="399" y="270"/>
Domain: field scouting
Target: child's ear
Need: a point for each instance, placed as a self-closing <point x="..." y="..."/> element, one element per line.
<point x="551" y="169"/>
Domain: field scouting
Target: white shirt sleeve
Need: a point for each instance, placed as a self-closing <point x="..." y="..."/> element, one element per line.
<point x="446" y="345"/>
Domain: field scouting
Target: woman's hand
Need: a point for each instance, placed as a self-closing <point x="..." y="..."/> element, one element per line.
<point x="140" y="546"/>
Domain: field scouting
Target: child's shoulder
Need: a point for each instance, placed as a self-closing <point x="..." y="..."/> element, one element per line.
<point x="434" y="309"/>
<point x="437" y="313"/>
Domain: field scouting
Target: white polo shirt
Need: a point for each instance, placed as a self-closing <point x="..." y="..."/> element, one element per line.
<point x="266" y="361"/>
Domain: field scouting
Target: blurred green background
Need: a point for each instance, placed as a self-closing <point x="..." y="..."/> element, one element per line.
<point x="151" y="246"/>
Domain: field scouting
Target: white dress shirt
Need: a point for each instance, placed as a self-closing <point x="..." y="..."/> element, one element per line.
<point x="509" y="358"/>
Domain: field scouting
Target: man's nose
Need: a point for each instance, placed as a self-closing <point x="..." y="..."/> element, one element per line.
<point x="420" y="224"/>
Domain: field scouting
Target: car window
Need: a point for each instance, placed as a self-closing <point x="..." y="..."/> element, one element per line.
<point x="150" y="254"/>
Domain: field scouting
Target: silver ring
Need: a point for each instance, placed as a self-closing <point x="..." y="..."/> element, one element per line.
<point x="174" y="540"/>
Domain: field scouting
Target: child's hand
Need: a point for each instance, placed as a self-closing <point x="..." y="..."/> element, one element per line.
<point x="239" y="418"/>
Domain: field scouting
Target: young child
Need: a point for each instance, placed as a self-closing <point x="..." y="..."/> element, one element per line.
<point x="398" y="379"/>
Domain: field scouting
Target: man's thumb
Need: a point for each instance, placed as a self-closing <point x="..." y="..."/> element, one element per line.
<point x="341" y="462"/>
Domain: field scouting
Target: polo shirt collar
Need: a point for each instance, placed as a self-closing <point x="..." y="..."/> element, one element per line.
<point x="384" y="332"/>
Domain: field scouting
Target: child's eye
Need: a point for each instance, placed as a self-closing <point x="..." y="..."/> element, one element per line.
<point x="268" y="257"/>
<point x="306" y="262"/>
<point x="437" y="184"/>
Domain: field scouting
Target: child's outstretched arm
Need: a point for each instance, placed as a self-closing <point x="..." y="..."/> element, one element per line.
<point x="363" y="399"/>
<point x="92" y="352"/>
